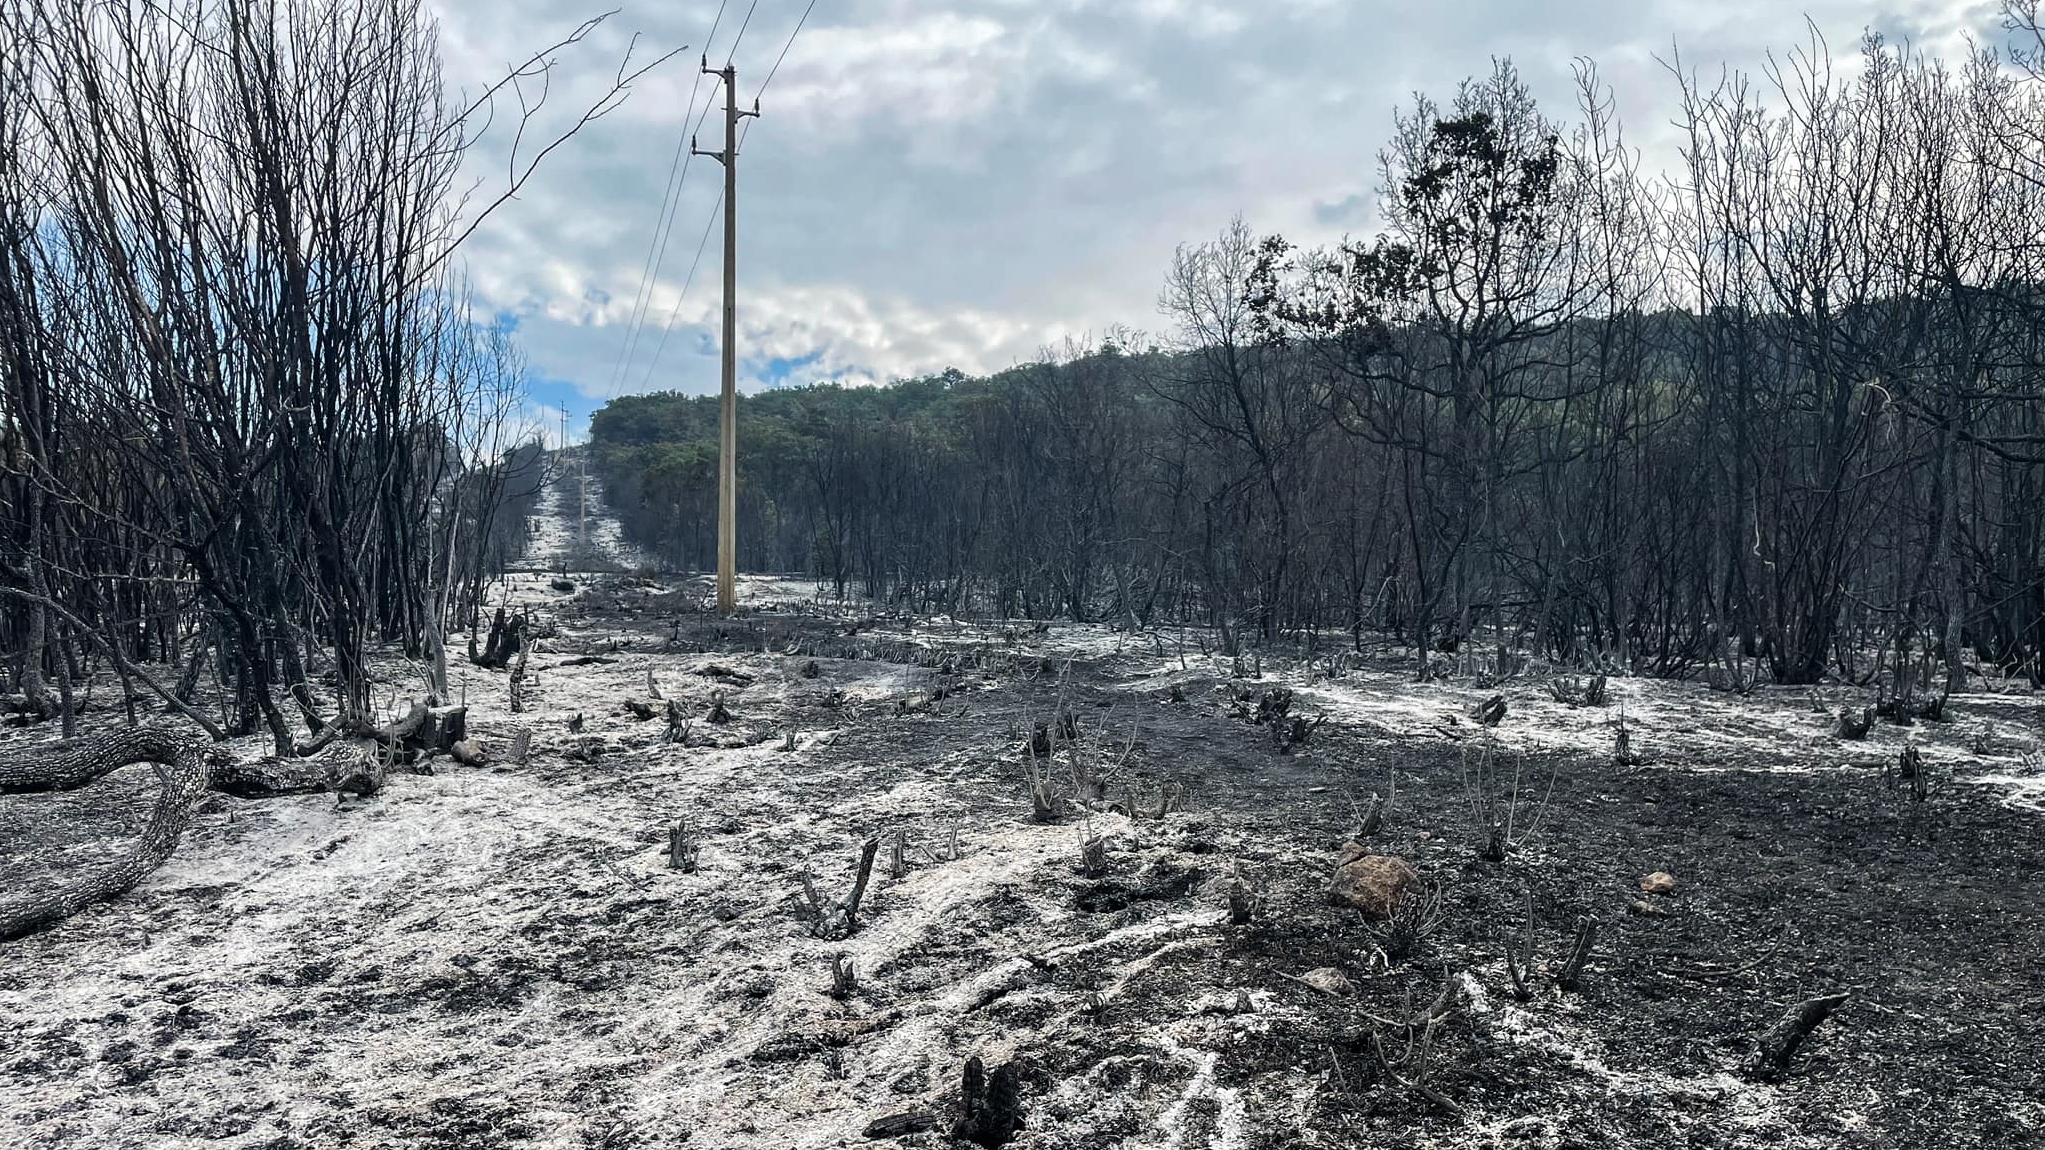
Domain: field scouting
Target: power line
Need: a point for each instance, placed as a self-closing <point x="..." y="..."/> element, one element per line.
<point x="784" y="49"/>
<point x="702" y="245"/>
<point x="777" y="65"/>
<point x="741" y="32"/>
<point x="647" y="379"/>
<point x="663" y="228"/>
<point x="677" y="309"/>
<point x="656" y="251"/>
<point x="663" y="224"/>
<point x="665" y="235"/>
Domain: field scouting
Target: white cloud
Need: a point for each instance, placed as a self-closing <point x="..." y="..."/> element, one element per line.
<point x="957" y="182"/>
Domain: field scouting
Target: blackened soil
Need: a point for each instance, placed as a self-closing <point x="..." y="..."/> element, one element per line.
<point x="1139" y="1016"/>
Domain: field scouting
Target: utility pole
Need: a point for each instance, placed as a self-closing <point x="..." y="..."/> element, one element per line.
<point x="581" y="493"/>
<point x="727" y="442"/>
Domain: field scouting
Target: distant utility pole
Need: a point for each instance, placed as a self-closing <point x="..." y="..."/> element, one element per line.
<point x="581" y="494"/>
<point x="727" y="444"/>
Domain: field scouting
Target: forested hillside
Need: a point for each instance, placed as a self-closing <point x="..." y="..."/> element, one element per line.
<point x="1784" y="404"/>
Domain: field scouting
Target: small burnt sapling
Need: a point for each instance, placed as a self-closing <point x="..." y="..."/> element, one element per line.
<point x="1245" y="900"/>
<point x="682" y="847"/>
<point x="951" y="849"/>
<point x="1417" y="914"/>
<point x="1910" y="767"/>
<point x="1412" y="1034"/>
<point x="1623" y="754"/>
<point x="1170" y="797"/>
<point x="844" y="977"/>
<point x="1089" y="784"/>
<point x="1369" y="817"/>
<point x="1046" y="806"/>
<point x="678" y="725"/>
<point x="831" y="920"/>
<point x="518" y="682"/>
<point x="1579" y="953"/>
<point x="898" y="860"/>
<point x="1093" y="852"/>
<point x="1519" y="964"/>
<point x="1502" y="810"/>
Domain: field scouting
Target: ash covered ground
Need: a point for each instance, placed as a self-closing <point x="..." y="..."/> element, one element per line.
<point x="504" y="955"/>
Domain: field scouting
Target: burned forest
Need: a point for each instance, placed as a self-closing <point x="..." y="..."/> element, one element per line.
<point x="1552" y="661"/>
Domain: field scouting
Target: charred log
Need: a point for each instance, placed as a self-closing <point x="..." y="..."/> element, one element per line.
<point x="181" y="766"/>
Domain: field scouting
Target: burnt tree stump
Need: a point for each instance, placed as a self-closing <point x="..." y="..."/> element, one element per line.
<point x="1778" y="1047"/>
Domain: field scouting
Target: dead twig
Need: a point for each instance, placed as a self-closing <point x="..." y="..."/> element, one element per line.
<point x="1579" y="953"/>
<point x="1413" y="1066"/>
<point x="1519" y="966"/>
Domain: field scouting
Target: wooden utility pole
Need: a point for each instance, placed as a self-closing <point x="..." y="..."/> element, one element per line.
<point x="727" y="441"/>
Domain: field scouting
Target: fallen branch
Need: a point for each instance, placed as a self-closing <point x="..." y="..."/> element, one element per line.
<point x="725" y="674"/>
<point x="897" y="1125"/>
<point x="183" y="769"/>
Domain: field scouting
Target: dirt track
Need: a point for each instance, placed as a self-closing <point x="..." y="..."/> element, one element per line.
<point x="501" y="957"/>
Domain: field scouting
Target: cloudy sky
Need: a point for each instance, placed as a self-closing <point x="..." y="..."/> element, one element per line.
<point x="960" y="184"/>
